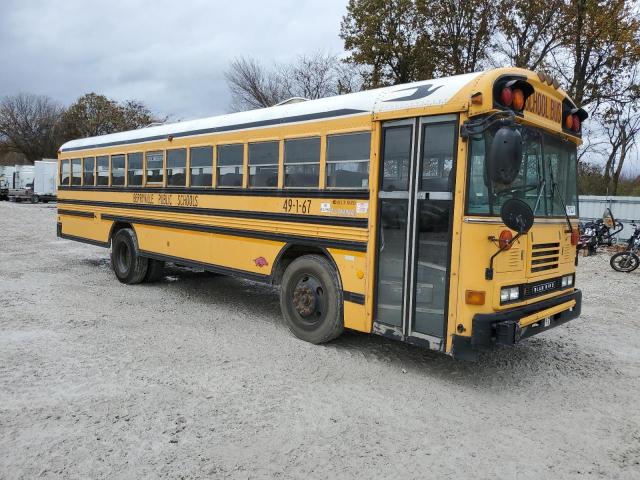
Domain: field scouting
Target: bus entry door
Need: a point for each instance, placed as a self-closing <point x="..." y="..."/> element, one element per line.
<point x="414" y="236"/>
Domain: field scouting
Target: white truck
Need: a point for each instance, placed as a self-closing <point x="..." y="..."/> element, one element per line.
<point x="22" y="183"/>
<point x="6" y="181"/>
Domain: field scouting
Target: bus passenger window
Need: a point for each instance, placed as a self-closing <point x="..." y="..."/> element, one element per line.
<point x="302" y="162"/>
<point x="230" y="165"/>
<point x="134" y="169"/>
<point x="348" y="160"/>
<point x="201" y="164"/>
<point x="64" y="172"/>
<point x="177" y="167"/>
<point x="76" y="171"/>
<point x="155" y="162"/>
<point x="102" y="163"/>
<point x="263" y="164"/>
<point x="117" y="170"/>
<point x="88" y="168"/>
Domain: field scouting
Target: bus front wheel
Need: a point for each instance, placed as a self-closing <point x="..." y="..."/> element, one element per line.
<point x="127" y="264"/>
<point x="311" y="299"/>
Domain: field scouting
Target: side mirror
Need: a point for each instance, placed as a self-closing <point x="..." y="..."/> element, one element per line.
<point x="504" y="155"/>
<point x="517" y="215"/>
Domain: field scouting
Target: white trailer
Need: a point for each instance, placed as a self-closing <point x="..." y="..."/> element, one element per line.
<point x="44" y="182"/>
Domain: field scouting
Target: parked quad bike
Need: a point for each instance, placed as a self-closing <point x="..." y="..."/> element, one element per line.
<point x="628" y="260"/>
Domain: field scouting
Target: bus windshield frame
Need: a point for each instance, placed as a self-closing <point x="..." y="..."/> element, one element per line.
<point x="547" y="179"/>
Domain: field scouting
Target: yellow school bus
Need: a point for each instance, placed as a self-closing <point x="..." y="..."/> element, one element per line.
<point x="442" y="213"/>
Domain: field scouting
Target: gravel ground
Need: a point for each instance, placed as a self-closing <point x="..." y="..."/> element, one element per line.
<point x="197" y="377"/>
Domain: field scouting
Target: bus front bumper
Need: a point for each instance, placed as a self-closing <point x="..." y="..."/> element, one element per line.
<point x="511" y="326"/>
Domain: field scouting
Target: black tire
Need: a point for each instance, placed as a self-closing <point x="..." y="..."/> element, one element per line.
<point x="624" y="262"/>
<point x="35" y="198"/>
<point x="311" y="299"/>
<point x="155" y="271"/>
<point x="127" y="264"/>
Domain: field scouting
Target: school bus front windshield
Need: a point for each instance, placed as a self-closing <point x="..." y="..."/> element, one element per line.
<point x="546" y="181"/>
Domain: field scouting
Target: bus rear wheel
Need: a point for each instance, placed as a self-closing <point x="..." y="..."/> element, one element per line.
<point x="311" y="299"/>
<point x="127" y="264"/>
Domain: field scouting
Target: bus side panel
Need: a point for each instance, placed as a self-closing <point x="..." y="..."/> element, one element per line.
<point x="84" y="227"/>
<point x="240" y="253"/>
<point x="352" y="267"/>
<point x="355" y="317"/>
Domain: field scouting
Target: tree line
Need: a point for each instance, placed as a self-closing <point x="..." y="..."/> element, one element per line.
<point x="35" y="125"/>
<point x="592" y="48"/>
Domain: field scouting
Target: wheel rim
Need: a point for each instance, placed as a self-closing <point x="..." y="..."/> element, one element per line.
<point x="626" y="262"/>
<point x="309" y="300"/>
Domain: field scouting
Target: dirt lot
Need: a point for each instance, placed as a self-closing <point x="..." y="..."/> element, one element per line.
<point x="198" y="377"/>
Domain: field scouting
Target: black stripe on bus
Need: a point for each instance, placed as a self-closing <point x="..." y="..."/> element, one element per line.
<point x="280" y="217"/>
<point x="233" y="272"/>
<point x="66" y="236"/>
<point x="76" y="213"/>
<point x="231" y="192"/>
<point x="353" y="297"/>
<point x="280" y="237"/>
<point x="226" y="128"/>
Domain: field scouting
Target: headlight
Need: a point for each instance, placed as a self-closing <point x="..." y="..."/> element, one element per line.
<point x="567" y="281"/>
<point x="509" y="294"/>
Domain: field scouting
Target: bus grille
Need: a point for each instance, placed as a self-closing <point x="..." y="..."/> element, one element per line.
<point x="544" y="256"/>
<point x="541" y="288"/>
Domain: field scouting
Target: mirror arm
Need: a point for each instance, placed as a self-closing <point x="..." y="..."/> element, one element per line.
<point x="488" y="273"/>
<point x="471" y="127"/>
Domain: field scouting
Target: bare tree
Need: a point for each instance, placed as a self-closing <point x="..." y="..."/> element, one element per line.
<point x="622" y="127"/>
<point x="312" y="76"/>
<point x="252" y="85"/>
<point x="29" y="124"/>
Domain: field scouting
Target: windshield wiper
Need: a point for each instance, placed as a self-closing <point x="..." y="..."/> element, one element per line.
<point x="543" y="185"/>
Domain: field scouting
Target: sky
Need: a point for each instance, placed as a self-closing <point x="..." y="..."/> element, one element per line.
<point x="171" y="55"/>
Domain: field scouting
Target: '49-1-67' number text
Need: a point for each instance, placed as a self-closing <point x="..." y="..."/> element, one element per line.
<point x="291" y="205"/>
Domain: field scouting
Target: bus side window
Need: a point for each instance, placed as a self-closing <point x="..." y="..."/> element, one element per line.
<point x="117" y="170"/>
<point x="230" y="165"/>
<point x="154" y="167"/>
<point x="177" y="167"/>
<point x="201" y="166"/>
<point x="102" y="164"/>
<point x="134" y="169"/>
<point x="348" y="160"/>
<point x="302" y="162"/>
<point x="263" y="164"/>
<point x="76" y="172"/>
<point x="88" y="169"/>
<point x="64" y="172"/>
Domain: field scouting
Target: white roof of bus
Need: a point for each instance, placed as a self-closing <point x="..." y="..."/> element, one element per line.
<point x="410" y="95"/>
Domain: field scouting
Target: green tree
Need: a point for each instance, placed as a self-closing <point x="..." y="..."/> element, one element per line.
<point x="94" y="114"/>
<point x="388" y="37"/>
<point x="460" y="32"/>
<point x="600" y="49"/>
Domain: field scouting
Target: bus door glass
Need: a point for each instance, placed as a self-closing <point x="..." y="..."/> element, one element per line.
<point x="432" y="218"/>
<point x="415" y="205"/>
